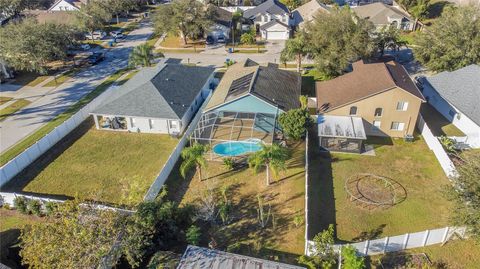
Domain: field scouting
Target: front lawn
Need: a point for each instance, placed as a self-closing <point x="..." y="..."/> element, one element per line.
<point x="12" y="108"/>
<point x="243" y="233"/>
<point x="106" y="166"/>
<point x="412" y="165"/>
<point x="176" y="42"/>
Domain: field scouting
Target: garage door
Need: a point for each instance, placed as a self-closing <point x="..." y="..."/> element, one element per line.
<point x="276" y="35"/>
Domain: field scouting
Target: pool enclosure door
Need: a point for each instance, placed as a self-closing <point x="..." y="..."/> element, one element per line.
<point x="341" y="144"/>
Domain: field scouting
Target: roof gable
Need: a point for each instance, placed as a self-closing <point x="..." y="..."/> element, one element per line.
<point x="307" y="11"/>
<point x="461" y="88"/>
<point x="273" y="23"/>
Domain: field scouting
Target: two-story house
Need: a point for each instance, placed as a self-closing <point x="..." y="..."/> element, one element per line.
<point x="67" y="5"/>
<point x="375" y="99"/>
<point x="271" y="20"/>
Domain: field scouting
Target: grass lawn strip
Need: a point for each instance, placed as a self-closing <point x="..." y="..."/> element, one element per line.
<point x="61" y="79"/>
<point x="12" y="219"/>
<point x="285" y="194"/>
<point x="415" y="167"/>
<point x="35" y="136"/>
<point x="12" y="108"/>
<point x="4" y="100"/>
<point x="98" y="165"/>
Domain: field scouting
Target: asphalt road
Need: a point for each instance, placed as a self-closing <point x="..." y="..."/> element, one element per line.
<point x="54" y="102"/>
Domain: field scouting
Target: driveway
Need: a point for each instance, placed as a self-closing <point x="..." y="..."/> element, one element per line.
<point x="52" y="102"/>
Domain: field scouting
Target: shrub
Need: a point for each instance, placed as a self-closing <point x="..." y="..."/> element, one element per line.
<point x="295" y="123"/>
<point x="351" y="260"/>
<point x="298" y="220"/>
<point x="234" y="248"/>
<point x="50" y="208"/>
<point x="35" y="207"/>
<point x="20" y="203"/>
<point x="193" y="235"/>
<point x="229" y="163"/>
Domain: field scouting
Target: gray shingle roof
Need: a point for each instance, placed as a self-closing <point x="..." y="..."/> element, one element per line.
<point x="272" y="23"/>
<point x="164" y="91"/>
<point x="270" y="6"/>
<point x="461" y="88"/>
<point x="204" y="258"/>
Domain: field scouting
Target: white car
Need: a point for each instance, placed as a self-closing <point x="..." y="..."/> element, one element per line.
<point x="117" y="34"/>
<point x="96" y="35"/>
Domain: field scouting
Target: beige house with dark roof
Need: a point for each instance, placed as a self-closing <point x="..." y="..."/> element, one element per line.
<point x="382" y="15"/>
<point x="382" y="95"/>
<point x="307" y="12"/>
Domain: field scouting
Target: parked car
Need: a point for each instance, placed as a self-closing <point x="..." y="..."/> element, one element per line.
<point x="96" y="35"/>
<point x="221" y="39"/>
<point x="96" y="57"/>
<point x="117" y="34"/>
<point x="209" y="40"/>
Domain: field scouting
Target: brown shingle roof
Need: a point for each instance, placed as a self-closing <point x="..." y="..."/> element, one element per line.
<point x="60" y="17"/>
<point x="364" y="81"/>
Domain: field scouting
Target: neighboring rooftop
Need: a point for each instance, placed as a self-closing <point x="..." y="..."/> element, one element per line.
<point x="461" y="88"/>
<point x="204" y="258"/>
<point x="221" y="16"/>
<point x="75" y="3"/>
<point x="273" y="7"/>
<point x="379" y="13"/>
<point x="273" y="85"/>
<point x="341" y="126"/>
<point x="165" y="91"/>
<point x="46" y="16"/>
<point x="364" y="81"/>
<point x="307" y="11"/>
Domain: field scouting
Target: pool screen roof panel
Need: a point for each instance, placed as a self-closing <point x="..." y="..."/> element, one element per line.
<point x="341" y="126"/>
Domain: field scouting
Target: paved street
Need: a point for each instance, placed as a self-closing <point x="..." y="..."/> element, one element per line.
<point x="50" y="102"/>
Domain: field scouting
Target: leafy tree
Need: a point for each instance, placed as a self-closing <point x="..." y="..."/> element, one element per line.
<point x="13" y="7"/>
<point x="193" y="235"/>
<point x="419" y="11"/>
<point x="189" y="18"/>
<point x="452" y="42"/>
<point x="93" y="16"/>
<point x="323" y="255"/>
<point x="249" y="37"/>
<point x="29" y="46"/>
<point x="294" y="123"/>
<point x="77" y="237"/>
<point x="350" y="258"/>
<point x="229" y="163"/>
<point x="35" y="207"/>
<point x="295" y="48"/>
<point x="337" y="39"/>
<point x="466" y="193"/>
<point x="141" y="55"/>
<point x="291" y="4"/>
<point x="121" y="6"/>
<point x="272" y="157"/>
<point x="388" y="38"/>
<point x="193" y="156"/>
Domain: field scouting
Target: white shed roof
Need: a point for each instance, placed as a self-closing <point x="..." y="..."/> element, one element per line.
<point x="341" y="126"/>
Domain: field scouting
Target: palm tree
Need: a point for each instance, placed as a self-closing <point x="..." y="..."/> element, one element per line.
<point x="273" y="157"/>
<point x="295" y="48"/>
<point x="419" y="11"/>
<point x="193" y="156"/>
<point x="142" y="55"/>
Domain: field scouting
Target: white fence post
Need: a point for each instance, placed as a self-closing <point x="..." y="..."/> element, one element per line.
<point x="365" y="250"/>
<point x="427" y="232"/>
<point x="385" y="244"/>
<point x="405" y="241"/>
<point x="445" y="234"/>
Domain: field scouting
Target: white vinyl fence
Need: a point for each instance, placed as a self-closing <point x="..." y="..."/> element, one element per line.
<point x="402" y="242"/>
<point x="306" y="192"/>
<point x="173" y="158"/>
<point x="21" y="161"/>
<point x="435" y="145"/>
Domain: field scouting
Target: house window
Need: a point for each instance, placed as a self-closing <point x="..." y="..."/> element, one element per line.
<point x="378" y="112"/>
<point x="353" y="110"/>
<point x="402" y="106"/>
<point x="376" y="124"/>
<point x="451" y="113"/>
<point x="132" y="122"/>
<point x="397" y="126"/>
<point x="174" y="125"/>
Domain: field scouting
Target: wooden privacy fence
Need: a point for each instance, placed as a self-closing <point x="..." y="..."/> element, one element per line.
<point x="402" y="242"/>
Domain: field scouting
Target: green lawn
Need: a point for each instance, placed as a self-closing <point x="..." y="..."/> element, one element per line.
<point x="4" y="100"/>
<point x="286" y="196"/>
<point x="104" y="166"/>
<point x="12" y="219"/>
<point x="61" y="79"/>
<point x="412" y="165"/>
<point x="12" y="108"/>
<point x="31" y="139"/>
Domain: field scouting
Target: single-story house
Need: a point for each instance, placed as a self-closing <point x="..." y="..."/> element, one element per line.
<point x="222" y="22"/>
<point x="382" y="15"/>
<point x="205" y="258"/>
<point x="456" y="95"/>
<point x="160" y="99"/>
<point x="67" y="5"/>
<point x="247" y="102"/>
<point x="306" y="12"/>
<point x="271" y="19"/>
<point x="46" y="16"/>
<point x="381" y="95"/>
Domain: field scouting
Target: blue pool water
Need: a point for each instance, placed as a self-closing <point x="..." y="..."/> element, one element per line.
<point x="236" y="148"/>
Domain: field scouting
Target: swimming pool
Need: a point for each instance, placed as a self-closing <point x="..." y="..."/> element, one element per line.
<point x="237" y="148"/>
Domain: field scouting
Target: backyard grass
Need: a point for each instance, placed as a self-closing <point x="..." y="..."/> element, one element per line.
<point x="437" y="123"/>
<point x="105" y="166"/>
<point x="31" y="79"/>
<point x="61" y="79"/>
<point x="285" y="195"/>
<point x="12" y="108"/>
<point x="4" y="100"/>
<point x="412" y="165"/>
<point x="12" y="219"/>
<point x="35" y="136"/>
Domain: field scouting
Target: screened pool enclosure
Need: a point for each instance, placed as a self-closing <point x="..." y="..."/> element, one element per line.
<point x="223" y="127"/>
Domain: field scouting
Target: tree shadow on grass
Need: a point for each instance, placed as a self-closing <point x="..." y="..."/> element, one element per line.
<point x="371" y="234"/>
<point x="436" y="9"/>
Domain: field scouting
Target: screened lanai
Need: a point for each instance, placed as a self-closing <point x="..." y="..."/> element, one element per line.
<point x="223" y="126"/>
